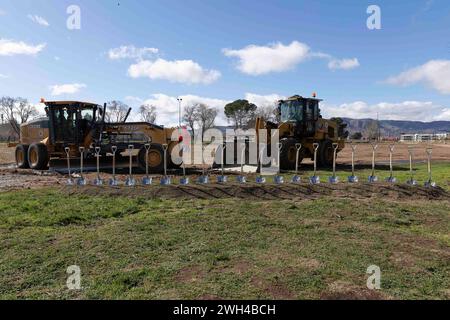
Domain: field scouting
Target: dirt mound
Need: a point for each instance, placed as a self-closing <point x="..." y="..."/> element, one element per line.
<point x="11" y="179"/>
<point x="267" y="192"/>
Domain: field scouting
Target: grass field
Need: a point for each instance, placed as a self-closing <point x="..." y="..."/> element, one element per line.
<point x="136" y="248"/>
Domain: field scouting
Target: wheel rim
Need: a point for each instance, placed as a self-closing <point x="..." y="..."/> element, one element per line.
<point x="154" y="158"/>
<point x="33" y="157"/>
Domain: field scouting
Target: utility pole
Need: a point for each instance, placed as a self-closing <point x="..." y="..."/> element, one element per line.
<point x="179" y="111"/>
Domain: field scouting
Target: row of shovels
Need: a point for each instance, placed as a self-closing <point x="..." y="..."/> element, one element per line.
<point x="277" y="179"/>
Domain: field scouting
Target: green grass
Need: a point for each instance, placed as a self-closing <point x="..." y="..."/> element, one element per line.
<point x="166" y="249"/>
<point x="440" y="173"/>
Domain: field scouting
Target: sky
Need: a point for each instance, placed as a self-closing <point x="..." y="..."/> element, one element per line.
<point x="218" y="51"/>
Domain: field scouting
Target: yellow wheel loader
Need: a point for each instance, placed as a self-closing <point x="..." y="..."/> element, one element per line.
<point x="301" y="122"/>
<point x="76" y="124"/>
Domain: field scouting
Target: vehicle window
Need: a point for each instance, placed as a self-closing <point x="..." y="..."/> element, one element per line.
<point x="291" y="111"/>
<point x="311" y="111"/>
<point x="65" y="123"/>
<point x="87" y="114"/>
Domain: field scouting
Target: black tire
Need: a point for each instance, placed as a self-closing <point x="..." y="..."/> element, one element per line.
<point x="288" y="154"/>
<point x="38" y="156"/>
<point x="22" y="156"/>
<point x="325" y="154"/>
<point x="156" y="159"/>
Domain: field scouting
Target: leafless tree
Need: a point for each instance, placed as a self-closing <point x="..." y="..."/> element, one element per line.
<point x="372" y="130"/>
<point x="147" y="113"/>
<point x="7" y="109"/>
<point x="268" y="113"/>
<point x="116" y="111"/>
<point x="199" y="116"/>
<point x="190" y="117"/>
<point x="16" y="111"/>
<point x="205" y="116"/>
<point x="24" y="110"/>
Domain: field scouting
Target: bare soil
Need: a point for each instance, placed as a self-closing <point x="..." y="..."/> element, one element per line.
<point x="363" y="153"/>
<point x="27" y="179"/>
<point x="6" y="154"/>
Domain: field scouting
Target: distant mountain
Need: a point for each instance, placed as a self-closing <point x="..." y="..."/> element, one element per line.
<point x="396" y="127"/>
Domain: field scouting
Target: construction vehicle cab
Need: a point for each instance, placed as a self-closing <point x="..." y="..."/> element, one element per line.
<point x="70" y="122"/>
<point x="302" y="112"/>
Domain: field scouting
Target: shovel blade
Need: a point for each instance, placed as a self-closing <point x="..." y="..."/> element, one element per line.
<point x="260" y="180"/>
<point x="184" y="181"/>
<point x="314" y="180"/>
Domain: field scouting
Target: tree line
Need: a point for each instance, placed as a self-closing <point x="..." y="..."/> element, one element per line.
<point x="241" y="114"/>
<point x="199" y="116"/>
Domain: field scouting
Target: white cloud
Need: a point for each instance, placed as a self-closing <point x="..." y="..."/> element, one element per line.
<point x="3" y="76"/>
<point x="434" y="73"/>
<point x="131" y="52"/>
<point x="2" y="12"/>
<point x="60" y="89"/>
<point x="11" y="47"/>
<point x="39" y="20"/>
<point x="134" y="100"/>
<point x="344" y="64"/>
<point x="167" y="107"/>
<point x="181" y="71"/>
<point x="407" y="110"/>
<point x="263" y="100"/>
<point x="257" y="60"/>
<point x="443" y="116"/>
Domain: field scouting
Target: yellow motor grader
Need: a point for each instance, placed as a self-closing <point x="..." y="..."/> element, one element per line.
<point x="76" y="124"/>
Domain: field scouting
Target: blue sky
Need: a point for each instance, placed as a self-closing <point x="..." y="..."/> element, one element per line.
<point x="218" y="51"/>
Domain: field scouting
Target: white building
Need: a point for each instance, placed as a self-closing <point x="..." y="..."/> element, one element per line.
<point x="419" y="137"/>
